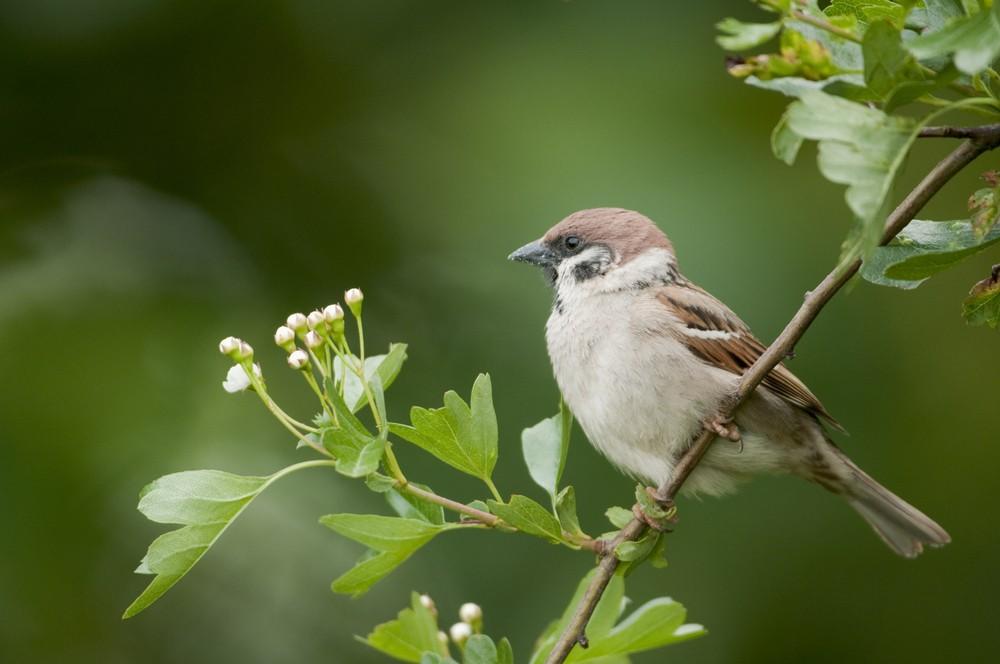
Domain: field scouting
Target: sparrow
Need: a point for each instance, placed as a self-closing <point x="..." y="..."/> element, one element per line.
<point x="644" y="359"/>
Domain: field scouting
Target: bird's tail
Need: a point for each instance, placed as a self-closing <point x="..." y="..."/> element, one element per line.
<point x="900" y="525"/>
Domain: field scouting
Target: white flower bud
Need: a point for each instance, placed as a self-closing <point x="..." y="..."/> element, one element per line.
<point x="313" y="340"/>
<point x="317" y="321"/>
<point x="428" y="604"/>
<point x="298" y="322"/>
<point x="298" y="359"/>
<point x="443" y="638"/>
<point x="354" y="297"/>
<point x="284" y="337"/>
<point x="333" y="312"/>
<point x="245" y="352"/>
<point x="237" y="379"/>
<point x="229" y="346"/>
<point x="460" y="633"/>
<point x="470" y="613"/>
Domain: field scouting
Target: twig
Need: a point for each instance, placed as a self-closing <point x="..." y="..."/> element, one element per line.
<point x="825" y="25"/>
<point x="980" y="132"/>
<point x="958" y="159"/>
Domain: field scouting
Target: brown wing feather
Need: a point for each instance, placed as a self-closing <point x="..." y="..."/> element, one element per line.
<point x="733" y="348"/>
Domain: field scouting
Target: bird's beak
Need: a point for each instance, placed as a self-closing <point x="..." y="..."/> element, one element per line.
<point x="534" y="253"/>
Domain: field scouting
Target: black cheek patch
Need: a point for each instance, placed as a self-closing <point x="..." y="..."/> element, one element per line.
<point x="585" y="271"/>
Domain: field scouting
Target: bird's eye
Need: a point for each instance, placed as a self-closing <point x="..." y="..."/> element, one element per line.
<point x="572" y="242"/>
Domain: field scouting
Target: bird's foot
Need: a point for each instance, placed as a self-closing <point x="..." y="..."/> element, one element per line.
<point x="654" y="510"/>
<point x="725" y="428"/>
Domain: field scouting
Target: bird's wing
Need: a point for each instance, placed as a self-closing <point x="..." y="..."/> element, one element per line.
<point x="717" y="336"/>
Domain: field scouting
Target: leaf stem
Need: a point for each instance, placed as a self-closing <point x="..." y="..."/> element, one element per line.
<point x="493" y="489"/>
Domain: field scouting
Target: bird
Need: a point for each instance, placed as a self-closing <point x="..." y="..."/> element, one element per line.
<point x="644" y="359"/>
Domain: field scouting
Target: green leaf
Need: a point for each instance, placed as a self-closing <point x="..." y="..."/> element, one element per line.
<point x="796" y="86"/>
<point x="464" y="438"/>
<point x="347" y="431"/>
<point x="655" y="624"/>
<point x="566" y="511"/>
<point x="380" y="483"/>
<point x="865" y="11"/>
<point x="630" y="551"/>
<point x="785" y="143"/>
<point x="353" y="462"/>
<point x="923" y="249"/>
<point x="385" y="367"/>
<point x="394" y="539"/>
<point x="205" y="502"/>
<point x="887" y="63"/>
<point x="409" y="506"/>
<point x="544" y="447"/>
<point x="941" y="12"/>
<point x="858" y="146"/>
<point x="528" y="516"/>
<point x="480" y="649"/>
<point x="412" y="633"/>
<point x="982" y="307"/>
<point x="619" y="516"/>
<point x="505" y="654"/>
<point x="743" y="36"/>
<point x="973" y="41"/>
<point x="434" y="658"/>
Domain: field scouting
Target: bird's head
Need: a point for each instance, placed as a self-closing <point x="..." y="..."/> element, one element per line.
<point x="599" y="242"/>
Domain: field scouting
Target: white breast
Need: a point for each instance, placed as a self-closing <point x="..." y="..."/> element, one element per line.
<point x="638" y="393"/>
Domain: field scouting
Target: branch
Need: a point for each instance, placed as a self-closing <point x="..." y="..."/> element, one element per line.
<point x="815" y="300"/>
<point x="982" y="132"/>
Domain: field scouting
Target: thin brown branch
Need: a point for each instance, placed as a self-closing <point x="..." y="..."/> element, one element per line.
<point x="981" y="132"/>
<point x="815" y="300"/>
<point x="485" y="518"/>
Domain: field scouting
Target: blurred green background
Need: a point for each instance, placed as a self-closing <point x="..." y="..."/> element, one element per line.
<point x="175" y="172"/>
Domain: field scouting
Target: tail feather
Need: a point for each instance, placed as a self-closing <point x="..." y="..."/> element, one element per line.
<point x="900" y="525"/>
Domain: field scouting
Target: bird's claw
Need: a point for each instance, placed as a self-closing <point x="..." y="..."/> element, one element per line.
<point x="725" y="428"/>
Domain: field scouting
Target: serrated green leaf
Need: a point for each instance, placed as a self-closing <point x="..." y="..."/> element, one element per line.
<point x="923" y="249"/>
<point x="795" y="86"/>
<point x="887" y="63"/>
<point x="982" y="307"/>
<point x="412" y="633"/>
<point x="566" y="511"/>
<point x="463" y="437"/>
<point x="394" y="539"/>
<point x="353" y="462"/>
<point x="205" y="502"/>
<point x="655" y="624"/>
<point x="972" y="41"/>
<point x="346" y="431"/>
<point x="942" y="12"/>
<point x="866" y="11"/>
<point x="528" y="516"/>
<point x="860" y="147"/>
<point x="386" y="367"/>
<point x="544" y="448"/>
<point x="480" y="649"/>
<point x="743" y="36"/>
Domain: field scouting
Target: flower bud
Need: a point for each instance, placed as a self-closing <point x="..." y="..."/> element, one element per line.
<point x="460" y="633"/>
<point x="333" y="312"/>
<point x="443" y="638"/>
<point x="470" y="613"/>
<point x="298" y="322"/>
<point x="284" y="337"/>
<point x="237" y="379"/>
<point x="354" y="297"/>
<point x="298" y="360"/>
<point x="230" y="346"/>
<point x="312" y="340"/>
<point x="428" y="604"/>
<point x="317" y="321"/>
<point x="245" y="352"/>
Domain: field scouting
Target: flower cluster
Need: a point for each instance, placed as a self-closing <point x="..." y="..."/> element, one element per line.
<point x="470" y="622"/>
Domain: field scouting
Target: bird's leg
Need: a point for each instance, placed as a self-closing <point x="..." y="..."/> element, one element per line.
<point x="655" y="511"/>
<point x="725" y="428"/>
